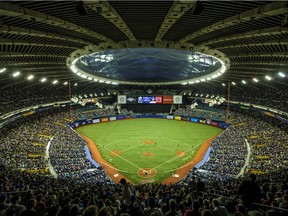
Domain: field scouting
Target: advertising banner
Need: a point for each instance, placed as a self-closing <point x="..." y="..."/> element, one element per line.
<point x="194" y="120"/>
<point x="214" y="123"/>
<point x="120" y="117"/>
<point x="104" y="120"/>
<point x="167" y="99"/>
<point x="177" y="118"/>
<point x="170" y="117"/>
<point x="202" y="121"/>
<point x="131" y="99"/>
<point x="95" y="121"/>
<point x="112" y="118"/>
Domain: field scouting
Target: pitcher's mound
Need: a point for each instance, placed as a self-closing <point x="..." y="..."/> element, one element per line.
<point x="147" y="172"/>
<point x="148" y="154"/>
<point x="149" y="141"/>
<point x="180" y="153"/>
<point x="115" y="153"/>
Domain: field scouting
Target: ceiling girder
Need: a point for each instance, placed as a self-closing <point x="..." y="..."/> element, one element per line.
<point x="176" y="11"/>
<point x="253" y="44"/>
<point x="107" y="11"/>
<point x="250" y="34"/>
<point x="32" y="15"/>
<point x="272" y="9"/>
<point x="33" y="43"/>
<point x="31" y="32"/>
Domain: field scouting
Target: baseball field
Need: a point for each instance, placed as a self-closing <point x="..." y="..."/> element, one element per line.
<point x="147" y="150"/>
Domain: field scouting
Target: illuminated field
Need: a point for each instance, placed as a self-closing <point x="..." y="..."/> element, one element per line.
<point x="151" y="149"/>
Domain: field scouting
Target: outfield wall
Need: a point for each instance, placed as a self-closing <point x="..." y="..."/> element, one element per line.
<point x="220" y="124"/>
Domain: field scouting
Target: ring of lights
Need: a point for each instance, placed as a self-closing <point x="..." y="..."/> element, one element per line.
<point x="74" y="56"/>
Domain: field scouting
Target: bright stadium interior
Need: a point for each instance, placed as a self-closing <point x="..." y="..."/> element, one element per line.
<point x="144" y="108"/>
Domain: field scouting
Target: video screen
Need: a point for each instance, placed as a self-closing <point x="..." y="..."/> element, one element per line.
<point x="149" y="99"/>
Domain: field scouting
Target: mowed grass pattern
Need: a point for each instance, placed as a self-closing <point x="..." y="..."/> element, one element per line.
<point x="130" y="138"/>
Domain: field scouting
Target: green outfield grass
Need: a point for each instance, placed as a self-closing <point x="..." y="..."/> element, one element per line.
<point x="131" y="145"/>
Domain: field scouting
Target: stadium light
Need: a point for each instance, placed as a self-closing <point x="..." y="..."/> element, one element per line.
<point x="255" y="80"/>
<point x="243" y="81"/>
<point x="55" y="81"/>
<point x="75" y="84"/>
<point x="281" y="74"/>
<point x="2" y="70"/>
<point x="16" y="74"/>
<point x="30" y="77"/>
<point x="65" y="83"/>
<point x="268" y="77"/>
<point x="89" y="78"/>
<point x="233" y="83"/>
<point x="223" y="84"/>
<point x="43" y="79"/>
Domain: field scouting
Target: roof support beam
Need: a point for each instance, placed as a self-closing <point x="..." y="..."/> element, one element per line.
<point x="11" y="10"/>
<point x="33" y="43"/>
<point x="272" y="9"/>
<point x="270" y="63"/>
<point x="250" y="34"/>
<point x="253" y="44"/>
<point x="273" y="54"/>
<point x="31" y="32"/>
<point x="176" y="11"/>
<point x="14" y="54"/>
<point x="104" y="9"/>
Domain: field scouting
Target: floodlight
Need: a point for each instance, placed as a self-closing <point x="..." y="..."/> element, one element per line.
<point x="15" y="74"/>
<point x="2" y="70"/>
<point x="255" y="80"/>
<point x="281" y="74"/>
<point x="43" y="79"/>
<point x="30" y="77"/>
<point x="268" y="77"/>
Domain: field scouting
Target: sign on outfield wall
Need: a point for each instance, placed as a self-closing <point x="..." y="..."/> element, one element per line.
<point x="177" y="117"/>
<point x="112" y="118"/>
<point x="96" y="121"/>
<point x="170" y="117"/>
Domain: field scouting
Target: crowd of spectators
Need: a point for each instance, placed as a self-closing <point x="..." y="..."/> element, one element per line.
<point x="228" y="154"/>
<point x="268" y="140"/>
<point x="275" y="97"/>
<point x="80" y="188"/>
<point x="201" y="113"/>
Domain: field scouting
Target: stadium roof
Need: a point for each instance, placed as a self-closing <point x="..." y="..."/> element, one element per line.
<point x="41" y="39"/>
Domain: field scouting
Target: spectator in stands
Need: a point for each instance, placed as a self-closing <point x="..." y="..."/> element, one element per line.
<point x="15" y="208"/>
<point x="173" y="208"/>
<point x="218" y="210"/>
<point x="249" y="191"/>
<point x="127" y="192"/>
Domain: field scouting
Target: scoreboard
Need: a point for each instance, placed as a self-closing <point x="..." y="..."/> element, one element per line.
<point x="154" y="99"/>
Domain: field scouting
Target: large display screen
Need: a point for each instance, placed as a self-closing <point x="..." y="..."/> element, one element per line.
<point x="149" y="99"/>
